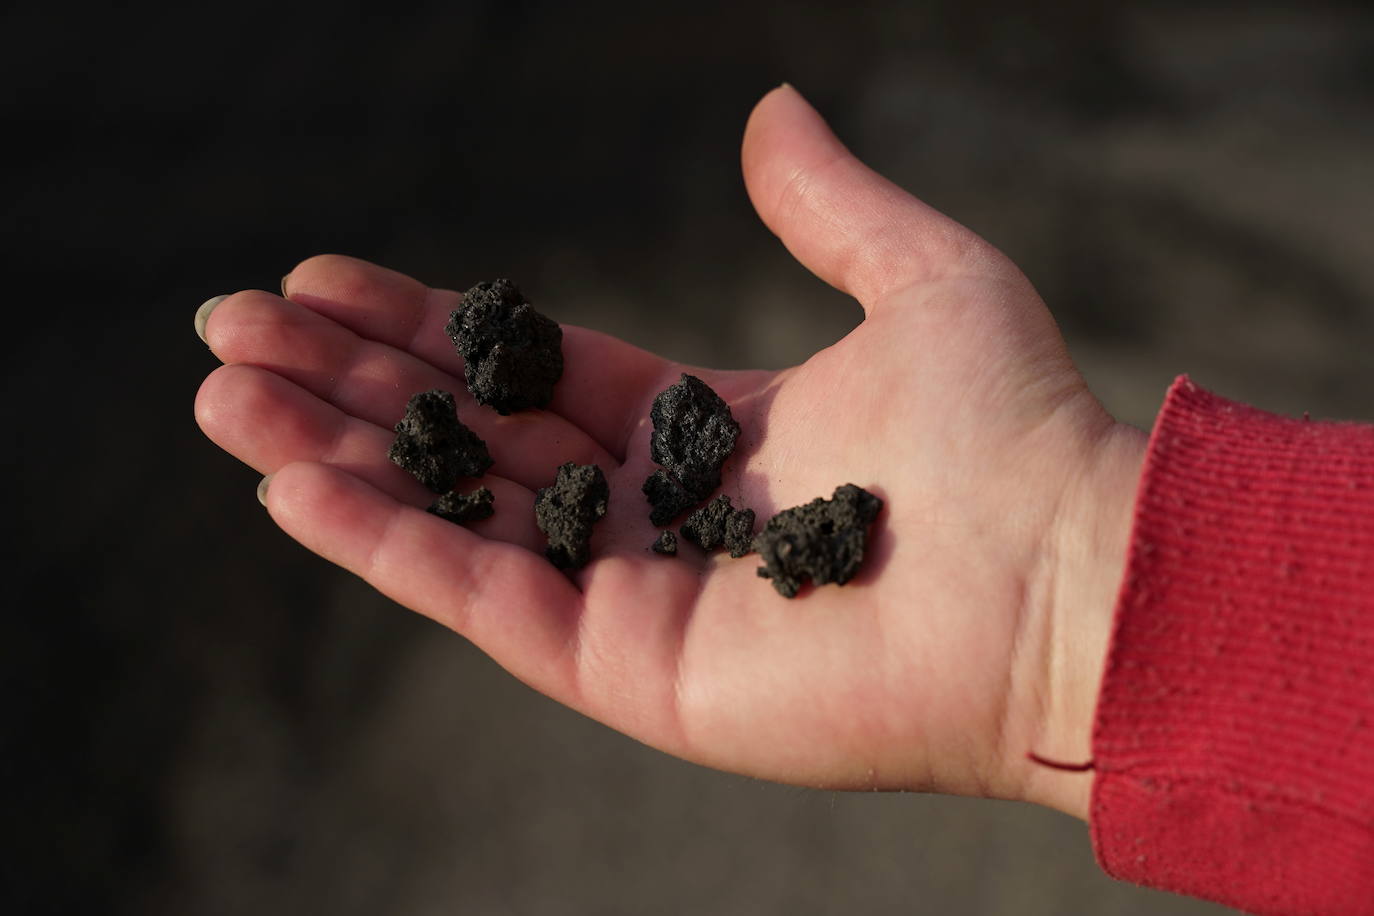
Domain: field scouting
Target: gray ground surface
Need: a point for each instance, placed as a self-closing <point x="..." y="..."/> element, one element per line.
<point x="204" y="718"/>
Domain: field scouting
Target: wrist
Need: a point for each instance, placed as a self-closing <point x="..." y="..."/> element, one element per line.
<point x="1089" y="542"/>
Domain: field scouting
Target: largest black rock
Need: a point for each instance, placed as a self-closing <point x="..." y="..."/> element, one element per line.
<point x="512" y="355"/>
<point x="823" y="541"/>
<point x="694" y="433"/>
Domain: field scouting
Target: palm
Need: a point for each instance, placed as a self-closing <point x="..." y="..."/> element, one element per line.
<point x="900" y="679"/>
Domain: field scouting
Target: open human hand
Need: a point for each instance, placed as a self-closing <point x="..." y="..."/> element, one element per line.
<point x="977" y="628"/>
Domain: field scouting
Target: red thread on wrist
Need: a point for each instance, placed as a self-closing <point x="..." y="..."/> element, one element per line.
<point x="1058" y="765"/>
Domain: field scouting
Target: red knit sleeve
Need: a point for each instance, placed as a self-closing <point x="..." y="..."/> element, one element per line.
<point x="1234" y="739"/>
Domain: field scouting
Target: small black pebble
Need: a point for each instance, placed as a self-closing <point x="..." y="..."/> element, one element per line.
<point x="823" y="540"/>
<point x="666" y="544"/>
<point x="462" y="508"/>
<point x="512" y="354"/>
<point x="694" y="433"/>
<point x="667" y="498"/>
<point x="567" y="510"/>
<point x="719" y="524"/>
<point x="434" y="445"/>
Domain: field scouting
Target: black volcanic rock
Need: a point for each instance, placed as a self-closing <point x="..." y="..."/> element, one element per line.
<point x="693" y="434"/>
<point x="461" y="508"/>
<point x="718" y="524"/>
<point x="434" y="445"/>
<point x="666" y="545"/>
<point x="823" y="541"/>
<point x="567" y="510"/>
<point x="512" y="355"/>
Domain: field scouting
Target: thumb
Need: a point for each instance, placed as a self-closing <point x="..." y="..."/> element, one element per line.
<point x="849" y="225"/>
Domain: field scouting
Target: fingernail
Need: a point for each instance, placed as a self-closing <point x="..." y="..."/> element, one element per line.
<point x="283" y="286"/>
<point x="203" y="315"/>
<point x="262" y="489"/>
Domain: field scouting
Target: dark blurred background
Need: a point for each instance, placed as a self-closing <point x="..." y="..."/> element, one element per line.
<point x="201" y="717"/>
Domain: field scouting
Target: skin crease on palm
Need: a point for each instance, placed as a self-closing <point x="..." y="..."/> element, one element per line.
<point x="976" y="631"/>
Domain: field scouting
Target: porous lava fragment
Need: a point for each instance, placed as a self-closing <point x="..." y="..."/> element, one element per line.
<point x="434" y="445"/>
<point x="566" y="512"/>
<point x="719" y="524"/>
<point x="512" y="355"/>
<point x="461" y="508"/>
<point x="666" y="544"/>
<point x="667" y="498"/>
<point x="694" y="433"/>
<point x="823" y="541"/>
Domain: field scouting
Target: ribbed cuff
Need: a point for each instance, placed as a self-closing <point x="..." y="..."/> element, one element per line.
<point x="1234" y="739"/>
